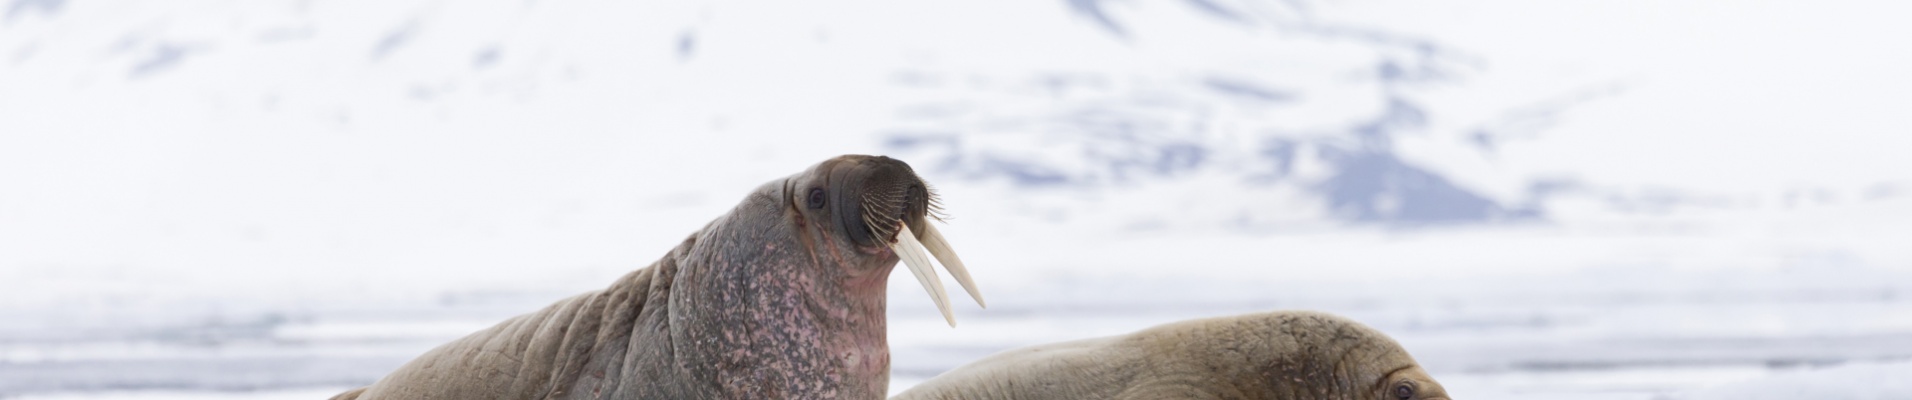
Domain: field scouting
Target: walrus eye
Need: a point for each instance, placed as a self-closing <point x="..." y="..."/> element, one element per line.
<point x="1404" y="391"/>
<point x="816" y="198"/>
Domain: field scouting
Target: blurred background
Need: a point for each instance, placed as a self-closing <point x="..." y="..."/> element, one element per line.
<point x="1633" y="199"/>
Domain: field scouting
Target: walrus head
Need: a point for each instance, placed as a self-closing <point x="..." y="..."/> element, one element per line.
<point x="878" y="206"/>
<point x="1316" y="354"/>
<point x="785" y="296"/>
<point x="1410" y="383"/>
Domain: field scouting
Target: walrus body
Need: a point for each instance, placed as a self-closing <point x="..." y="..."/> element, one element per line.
<point x="1276" y="355"/>
<point x="783" y="297"/>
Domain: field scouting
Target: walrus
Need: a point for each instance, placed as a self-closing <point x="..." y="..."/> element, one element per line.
<point x="781" y="297"/>
<point x="1273" y="355"/>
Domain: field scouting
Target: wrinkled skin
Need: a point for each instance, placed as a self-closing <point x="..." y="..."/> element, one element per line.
<point x="1276" y="355"/>
<point x="780" y="298"/>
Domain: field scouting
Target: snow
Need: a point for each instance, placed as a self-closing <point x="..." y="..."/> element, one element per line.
<point x="1848" y="382"/>
<point x="1570" y="199"/>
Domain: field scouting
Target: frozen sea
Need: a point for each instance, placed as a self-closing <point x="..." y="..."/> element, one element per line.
<point x="273" y="199"/>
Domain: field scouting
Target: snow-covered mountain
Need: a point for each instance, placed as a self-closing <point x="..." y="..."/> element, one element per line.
<point x="1366" y="112"/>
<point x="266" y="195"/>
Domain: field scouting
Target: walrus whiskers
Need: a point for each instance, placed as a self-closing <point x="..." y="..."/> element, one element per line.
<point x="911" y="249"/>
<point x="933" y="206"/>
<point x="869" y="220"/>
<point x="879" y="222"/>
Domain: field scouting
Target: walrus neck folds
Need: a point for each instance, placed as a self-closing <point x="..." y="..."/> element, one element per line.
<point x="779" y="309"/>
<point x="785" y="295"/>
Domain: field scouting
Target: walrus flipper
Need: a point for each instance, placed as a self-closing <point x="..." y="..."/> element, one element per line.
<point x="531" y="356"/>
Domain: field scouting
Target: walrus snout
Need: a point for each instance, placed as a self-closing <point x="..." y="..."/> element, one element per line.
<point x="890" y="195"/>
<point x="881" y="203"/>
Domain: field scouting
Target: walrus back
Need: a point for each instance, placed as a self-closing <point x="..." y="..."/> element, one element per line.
<point x="532" y="356"/>
<point x="1186" y="359"/>
<point x="1083" y="368"/>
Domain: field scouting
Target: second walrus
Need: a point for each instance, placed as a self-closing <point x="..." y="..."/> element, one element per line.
<point x="782" y="297"/>
<point x="1290" y="355"/>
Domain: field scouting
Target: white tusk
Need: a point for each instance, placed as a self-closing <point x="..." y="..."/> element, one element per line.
<point x="911" y="251"/>
<point x="938" y="246"/>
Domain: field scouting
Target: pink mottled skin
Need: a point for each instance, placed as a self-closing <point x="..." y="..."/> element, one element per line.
<point x="783" y="297"/>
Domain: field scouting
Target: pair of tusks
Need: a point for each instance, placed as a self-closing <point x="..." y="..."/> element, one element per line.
<point x="911" y="251"/>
